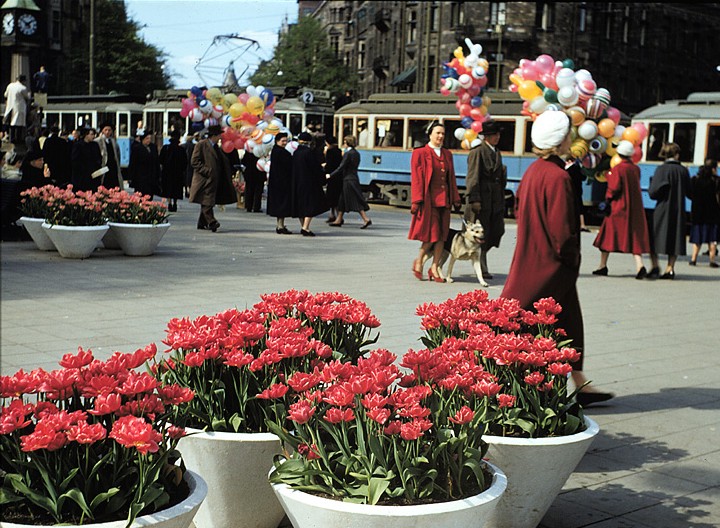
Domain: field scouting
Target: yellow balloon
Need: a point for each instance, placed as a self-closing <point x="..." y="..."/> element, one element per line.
<point x="601" y="176"/>
<point x="272" y="128"/>
<point x="465" y="144"/>
<point x="611" y="149"/>
<point x="236" y="110"/>
<point x="486" y="101"/>
<point x="459" y="53"/>
<point x="615" y="160"/>
<point x="215" y="96"/>
<point x="528" y="90"/>
<point x="255" y="105"/>
<point x="228" y="100"/>
<point x="484" y="64"/>
<point x="579" y="149"/>
<point x="470" y="134"/>
<point x="606" y="128"/>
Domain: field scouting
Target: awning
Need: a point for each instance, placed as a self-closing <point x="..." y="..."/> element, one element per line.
<point x="405" y="78"/>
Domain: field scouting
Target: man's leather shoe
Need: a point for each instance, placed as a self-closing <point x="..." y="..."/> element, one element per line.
<point x="586" y="399"/>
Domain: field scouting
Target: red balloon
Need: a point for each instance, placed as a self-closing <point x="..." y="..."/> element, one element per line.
<point x="473" y="90"/>
<point x="476" y="115"/>
<point x="637" y="155"/>
<point x="465" y="109"/>
<point x="227" y="147"/>
<point x="477" y="126"/>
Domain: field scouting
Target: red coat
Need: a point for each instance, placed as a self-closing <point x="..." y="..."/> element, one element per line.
<point x="625" y="230"/>
<point x="546" y="262"/>
<point x="420" y="171"/>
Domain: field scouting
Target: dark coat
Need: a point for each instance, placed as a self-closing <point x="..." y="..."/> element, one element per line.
<point x="173" y="164"/>
<point x="705" y="194"/>
<point x="86" y="159"/>
<point x="333" y="158"/>
<point x="144" y="168"/>
<point x="279" y="197"/>
<point x="210" y="165"/>
<point x="420" y="173"/>
<point x="625" y="229"/>
<point x="189" y="146"/>
<point x="57" y="154"/>
<point x="669" y="186"/>
<point x="485" y="183"/>
<point x="308" y="179"/>
<point x="352" y="198"/>
<point x="546" y="262"/>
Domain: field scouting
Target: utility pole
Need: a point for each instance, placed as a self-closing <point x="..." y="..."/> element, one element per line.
<point x="499" y="57"/>
<point x="91" y="55"/>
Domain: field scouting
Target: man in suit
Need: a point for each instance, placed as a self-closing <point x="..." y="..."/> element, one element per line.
<point x="485" y="190"/>
<point x="110" y="157"/>
<point x="209" y="165"/>
<point x="56" y="153"/>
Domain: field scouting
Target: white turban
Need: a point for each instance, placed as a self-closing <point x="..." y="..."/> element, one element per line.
<point x="549" y="129"/>
<point x="625" y="148"/>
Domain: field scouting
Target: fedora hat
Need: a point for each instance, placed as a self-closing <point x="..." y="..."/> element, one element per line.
<point x="490" y="127"/>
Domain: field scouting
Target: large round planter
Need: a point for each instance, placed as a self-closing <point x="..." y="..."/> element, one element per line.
<point x="110" y="240"/>
<point x="138" y="240"/>
<point x="34" y="228"/>
<point x="536" y="469"/>
<point x="310" y="511"/>
<point x="76" y="242"/>
<point x="235" y="467"/>
<point x="178" y="516"/>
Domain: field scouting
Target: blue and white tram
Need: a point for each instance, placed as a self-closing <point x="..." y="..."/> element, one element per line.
<point x="389" y="126"/>
<point x="692" y="123"/>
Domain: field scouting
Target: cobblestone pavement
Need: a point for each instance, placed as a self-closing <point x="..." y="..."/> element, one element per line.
<point x="656" y="344"/>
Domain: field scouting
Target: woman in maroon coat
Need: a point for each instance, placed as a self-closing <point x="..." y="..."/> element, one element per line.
<point x="546" y="262"/>
<point x="433" y="190"/>
<point x="625" y="230"/>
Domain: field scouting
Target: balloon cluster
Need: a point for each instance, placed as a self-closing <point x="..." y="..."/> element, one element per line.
<point x="548" y="85"/>
<point x="248" y="120"/>
<point x="466" y="78"/>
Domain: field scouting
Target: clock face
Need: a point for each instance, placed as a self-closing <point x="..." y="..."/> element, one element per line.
<point x="27" y="24"/>
<point x="8" y="23"/>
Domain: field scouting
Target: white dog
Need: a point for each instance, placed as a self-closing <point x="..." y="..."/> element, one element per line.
<point x="464" y="245"/>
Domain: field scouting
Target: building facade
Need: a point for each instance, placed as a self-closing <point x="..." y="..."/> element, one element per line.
<point x="642" y="52"/>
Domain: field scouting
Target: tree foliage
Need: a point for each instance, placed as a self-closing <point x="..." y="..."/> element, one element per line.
<point x="305" y="59"/>
<point x="124" y="62"/>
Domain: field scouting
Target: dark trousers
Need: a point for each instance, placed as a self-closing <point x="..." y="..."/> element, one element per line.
<point x="253" y="192"/>
<point x="207" y="217"/>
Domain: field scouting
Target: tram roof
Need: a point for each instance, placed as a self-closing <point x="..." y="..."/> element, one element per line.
<point x="698" y="105"/>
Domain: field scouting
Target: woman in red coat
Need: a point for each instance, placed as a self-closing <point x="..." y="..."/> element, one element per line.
<point x="546" y="262"/>
<point x="625" y="230"/>
<point x="433" y="190"/>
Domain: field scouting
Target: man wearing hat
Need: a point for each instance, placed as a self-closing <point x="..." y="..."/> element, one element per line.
<point x="546" y="262"/>
<point x="308" y="179"/>
<point x="485" y="190"/>
<point x="209" y="166"/>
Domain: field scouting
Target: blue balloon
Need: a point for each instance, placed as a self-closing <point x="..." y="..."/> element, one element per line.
<point x="450" y="72"/>
<point x="466" y="121"/>
<point x="267" y="96"/>
<point x="196" y="91"/>
<point x="476" y="101"/>
<point x="198" y="126"/>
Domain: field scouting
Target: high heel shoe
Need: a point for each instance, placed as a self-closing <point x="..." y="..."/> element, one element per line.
<point x="641" y="274"/>
<point x="418" y="274"/>
<point x="654" y="273"/>
<point x="602" y="271"/>
<point x="668" y="275"/>
<point x="434" y="278"/>
<point x="366" y="224"/>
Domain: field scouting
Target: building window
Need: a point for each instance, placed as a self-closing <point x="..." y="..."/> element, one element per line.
<point x="582" y="18"/>
<point x="643" y="27"/>
<point x="547" y="22"/>
<point x="56" y="26"/>
<point x="497" y="13"/>
<point x="457" y="14"/>
<point x="412" y="27"/>
<point x="434" y="19"/>
<point x="335" y="44"/>
<point x="626" y="25"/>
<point x="432" y="74"/>
<point x="361" y="55"/>
<point x="608" y="24"/>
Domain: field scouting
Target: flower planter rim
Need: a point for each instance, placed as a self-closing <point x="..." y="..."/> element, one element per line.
<point x="496" y="489"/>
<point x="144" y="226"/>
<point x="591" y="429"/>
<point x="228" y="436"/>
<point x="198" y="492"/>
<point x="36" y="218"/>
<point x="64" y="227"/>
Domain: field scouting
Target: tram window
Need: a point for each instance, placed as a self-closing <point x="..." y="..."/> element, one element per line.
<point x="362" y="133"/>
<point x="657" y="135"/>
<point x="136" y="119"/>
<point x="713" y="144"/>
<point x="68" y="122"/>
<point x="388" y="132"/>
<point x="176" y="122"/>
<point x="347" y="129"/>
<point x="528" y="139"/>
<point x="123" y="125"/>
<point x="418" y="132"/>
<point x="685" y="139"/>
<point x="52" y="119"/>
<point x="295" y="124"/>
<point x="314" y="123"/>
<point x="451" y="142"/>
<point x="507" y="136"/>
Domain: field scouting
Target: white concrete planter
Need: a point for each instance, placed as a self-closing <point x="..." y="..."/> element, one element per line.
<point x="536" y="469"/>
<point x="178" y="516"/>
<point x="138" y="240"/>
<point x="110" y="240"/>
<point x="235" y="467"/>
<point x="310" y="511"/>
<point x="75" y="241"/>
<point x="34" y="228"/>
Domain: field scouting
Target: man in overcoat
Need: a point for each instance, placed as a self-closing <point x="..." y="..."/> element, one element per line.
<point x="57" y="154"/>
<point x="17" y="99"/>
<point x="110" y="157"/>
<point x="485" y="190"/>
<point x="209" y="165"/>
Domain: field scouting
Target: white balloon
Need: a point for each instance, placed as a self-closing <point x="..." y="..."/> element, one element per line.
<point x="251" y="91"/>
<point x="268" y="139"/>
<point x="465" y="80"/>
<point x="479" y="72"/>
<point x="582" y="74"/>
<point x="471" y="60"/>
<point x="619" y="129"/>
<point x="258" y="151"/>
<point x="538" y="105"/>
<point x="475" y="142"/>
<point x="588" y="130"/>
<point x="259" y="89"/>
<point x="565" y="77"/>
<point x="459" y="134"/>
<point x="567" y="96"/>
<point x="475" y="49"/>
<point x="205" y="106"/>
<point x="226" y="121"/>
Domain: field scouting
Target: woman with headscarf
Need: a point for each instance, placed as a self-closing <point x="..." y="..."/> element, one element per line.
<point x="546" y="262"/>
<point x="86" y="162"/>
<point x="144" y="166"/>
<point x="433" y="190"/>
<point x="625" y="229"/>
<point x="705" y="211"/>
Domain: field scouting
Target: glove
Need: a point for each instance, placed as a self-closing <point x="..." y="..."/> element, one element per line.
<point x="457" y="206"/>
<point x="415" y="207"/>
<point x="475" y="206"/>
